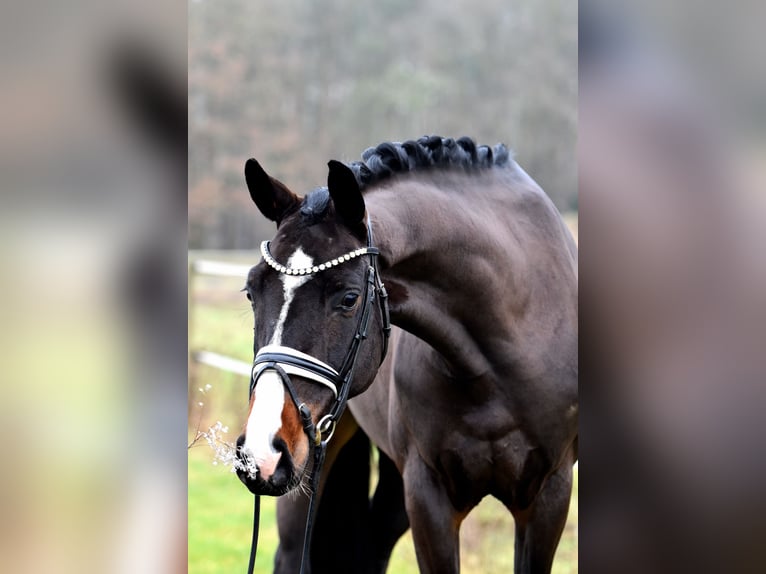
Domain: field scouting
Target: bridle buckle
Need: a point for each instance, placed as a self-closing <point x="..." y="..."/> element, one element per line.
<point x="325" y="426"/>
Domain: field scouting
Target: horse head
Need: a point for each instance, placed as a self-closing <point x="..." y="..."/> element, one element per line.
<point x="320" y="324"/>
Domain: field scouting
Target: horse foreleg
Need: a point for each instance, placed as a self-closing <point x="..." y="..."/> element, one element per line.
<point x="388" y="516"/>
<point x="341" y="540"/>
<point x="539" y="528"/>
<point x="291" y="519"/>
<point x="434" y="521"/>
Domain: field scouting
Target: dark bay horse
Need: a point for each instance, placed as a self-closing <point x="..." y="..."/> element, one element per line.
<point x="478" y="394"/>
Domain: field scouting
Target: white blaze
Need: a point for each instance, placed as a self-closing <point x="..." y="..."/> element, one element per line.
<point x="264" y="422"/>
<point x="265" y="418"/>
<point x="289" y="284"/>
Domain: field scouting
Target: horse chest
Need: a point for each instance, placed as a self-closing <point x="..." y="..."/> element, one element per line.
<point x="461" y="429"/>
<point x="478" y="453"/>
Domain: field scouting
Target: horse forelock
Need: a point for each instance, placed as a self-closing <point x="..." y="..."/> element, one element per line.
<point x="315" y="205"/>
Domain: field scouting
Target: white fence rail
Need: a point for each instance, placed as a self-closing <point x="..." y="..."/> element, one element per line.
<point x="222" y="362"/>
<point x="220" y="269"/>
<point x="217" y="269"/>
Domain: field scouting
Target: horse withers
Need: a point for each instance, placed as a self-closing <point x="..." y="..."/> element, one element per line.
<point x="478" y="394"/>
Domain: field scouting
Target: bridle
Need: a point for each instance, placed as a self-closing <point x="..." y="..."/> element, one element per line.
<point x="286" y="361"/>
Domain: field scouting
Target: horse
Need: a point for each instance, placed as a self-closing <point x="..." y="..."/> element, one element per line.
<point x="478" y="395"/>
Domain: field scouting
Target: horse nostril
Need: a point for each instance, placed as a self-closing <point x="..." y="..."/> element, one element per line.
<point x="281" y="476"/>
<point x="247" y="466"/>
<point x="239" y="450"/>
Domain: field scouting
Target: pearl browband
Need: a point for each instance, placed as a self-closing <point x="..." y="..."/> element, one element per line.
<point x="267" y="257"/>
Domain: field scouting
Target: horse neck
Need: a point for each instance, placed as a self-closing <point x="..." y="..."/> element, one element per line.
<point x="447" y="266"/>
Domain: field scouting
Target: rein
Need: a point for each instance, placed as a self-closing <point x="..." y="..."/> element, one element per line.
<point x="286" y="361"/>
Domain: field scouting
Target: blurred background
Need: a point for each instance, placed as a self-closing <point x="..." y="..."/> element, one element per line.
<point x="93" y="274"/>
<point x="296" y="84"/>
<point x="671" y="158"/>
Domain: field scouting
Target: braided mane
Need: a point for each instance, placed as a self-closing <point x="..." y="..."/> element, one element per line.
<point x="389" y="158"/>
<point x="381" y="162"/>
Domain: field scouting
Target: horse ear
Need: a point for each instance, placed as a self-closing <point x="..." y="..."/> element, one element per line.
<point x="270" y="195"/>
<point x="345" y="193"/>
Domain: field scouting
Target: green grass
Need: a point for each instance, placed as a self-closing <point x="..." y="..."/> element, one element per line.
<point x="220" y="523"/>
<point x="221" y="519"/>
<point x="220" y="508"/>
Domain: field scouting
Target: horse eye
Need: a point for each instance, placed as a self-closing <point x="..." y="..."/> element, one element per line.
<point x="349" y="300"/>
<point x="249" y="298"/>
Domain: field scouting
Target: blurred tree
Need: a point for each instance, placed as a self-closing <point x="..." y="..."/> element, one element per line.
<point x="296" y="84"/>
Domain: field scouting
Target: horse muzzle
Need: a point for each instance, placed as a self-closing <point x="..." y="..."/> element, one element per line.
<point x="272" y="477"/>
